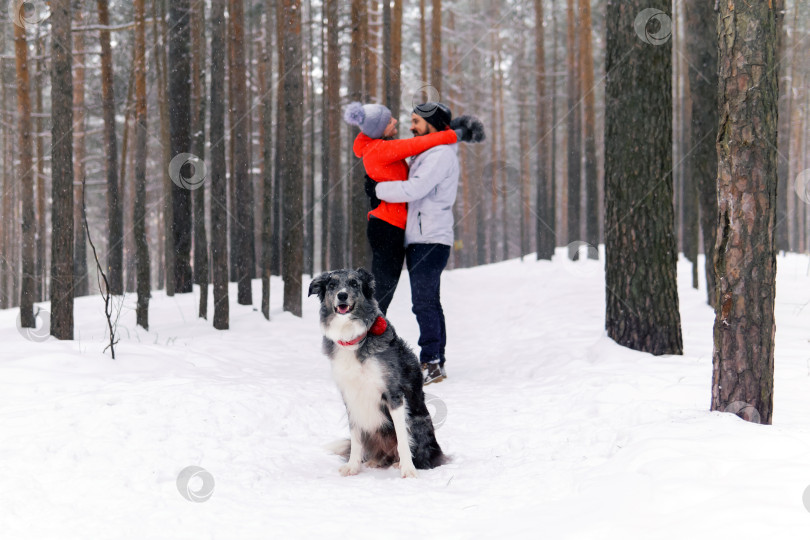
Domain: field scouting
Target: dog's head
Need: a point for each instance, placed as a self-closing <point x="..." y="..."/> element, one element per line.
<point x="345" y="292"/>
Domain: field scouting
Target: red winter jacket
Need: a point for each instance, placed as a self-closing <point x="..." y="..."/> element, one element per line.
<point x="384" y="160"/>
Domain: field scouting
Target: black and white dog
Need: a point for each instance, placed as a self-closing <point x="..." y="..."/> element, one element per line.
<point x="378" y="377"/>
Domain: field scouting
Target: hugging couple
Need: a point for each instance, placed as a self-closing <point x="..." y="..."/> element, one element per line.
<point x="411" y="217"/>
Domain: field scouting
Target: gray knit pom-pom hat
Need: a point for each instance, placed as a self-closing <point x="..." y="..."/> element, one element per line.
<point x="372" y="119"/>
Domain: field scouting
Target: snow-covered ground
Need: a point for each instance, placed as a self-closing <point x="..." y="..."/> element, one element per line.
<point x="556" y="432"/>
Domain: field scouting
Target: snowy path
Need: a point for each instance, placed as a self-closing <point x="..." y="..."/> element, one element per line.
<point x="556" y="432"/>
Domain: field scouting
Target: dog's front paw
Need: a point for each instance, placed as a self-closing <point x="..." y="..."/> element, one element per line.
<point x="408" y="470"/>
<point x="350" y="469"/>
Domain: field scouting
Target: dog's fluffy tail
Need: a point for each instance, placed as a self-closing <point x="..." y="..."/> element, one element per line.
<point x="341" y="447"/>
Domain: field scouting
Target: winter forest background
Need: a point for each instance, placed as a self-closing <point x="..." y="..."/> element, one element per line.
<point x="155" y="145"/>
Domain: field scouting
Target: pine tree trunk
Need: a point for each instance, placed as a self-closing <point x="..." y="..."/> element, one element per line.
<point x="588" y="98"/>
<point x="245" y="247"/>
<point x="436" y="47"/>
<point x="701" y="43"/>
<point x="42" y="278"/>
<point x="25" y="178"/>
<point x="62" y="171"/>
<point x="395" y="66"/>
<point x="785" y="53"/>
<point x="292" y="118"/>
<point x="267" y="157"/>
<point x="115" y="242"/>
<point x="180" y="120"/>
<point x="198" y="138"/>
<point x="139" y="211"/>
<point x="337" y="216"/>
<point x="544" y="219"/>
<point x="358" y="202"/>
<point x="79" y="233"/>
<point x="745" y="260"/>
<point x="641" y="250"/>
<point x="574" y="130"/>
<point x="219" y="219"/>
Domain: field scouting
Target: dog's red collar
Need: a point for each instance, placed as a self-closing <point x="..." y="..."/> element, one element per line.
<point x="378" y="328"/>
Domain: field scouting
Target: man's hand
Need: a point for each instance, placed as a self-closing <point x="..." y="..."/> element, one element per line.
<point x="371" y="191"/>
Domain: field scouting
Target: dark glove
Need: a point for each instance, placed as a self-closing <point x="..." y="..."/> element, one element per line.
<point x="370" y="188"/>
<point x="468" y="128"/>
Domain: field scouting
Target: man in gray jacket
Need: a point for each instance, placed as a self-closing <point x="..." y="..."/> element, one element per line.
<point x="430" y="192"/>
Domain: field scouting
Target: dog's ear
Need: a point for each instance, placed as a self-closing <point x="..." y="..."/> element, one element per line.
<point x="368" y="282"/>
<point x="318" y="285"/>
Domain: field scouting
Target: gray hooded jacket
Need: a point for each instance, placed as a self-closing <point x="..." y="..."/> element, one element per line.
<point x="430" y="192"/>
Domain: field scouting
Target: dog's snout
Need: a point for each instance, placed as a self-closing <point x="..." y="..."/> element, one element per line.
<point x="342" y="296"/>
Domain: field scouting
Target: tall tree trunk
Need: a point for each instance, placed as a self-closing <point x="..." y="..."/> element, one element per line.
<point x="165" y="236"/>
<point x="588" y="98"/>
<point x="745" y="260"/>
<point x="180" y="124"/>
<point x="641" y="288"/>
<point x="25" y="178"/>
<point x="62" y="171"/>
<point x="80" y="274"/>
<point x="701" y="43"/>
<point x="574" y="130"/>
<point x="337" y="215"/>
<point x="243" y="187"/>
<point x="292" y="161"/>
<point x="115" y="232"/>
<point x="139" y="212"/>
<point x="267" y="155"/>
<point x="436" y="47"/>
<point x="42" y="237"/>
<point x="423" y="70"/>
<point x="198" y="138"/>
<point x="784" y="48"/>
<point x="219" y="219"/>
<point x="395" y="66"/>
<point x="358" y="202"/>
<point x="544" y="219"/>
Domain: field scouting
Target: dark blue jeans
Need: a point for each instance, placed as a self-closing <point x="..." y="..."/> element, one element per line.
<point x="425" y="265"/>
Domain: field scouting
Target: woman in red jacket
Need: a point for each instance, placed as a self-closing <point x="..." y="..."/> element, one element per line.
<point x="384" y="160"/>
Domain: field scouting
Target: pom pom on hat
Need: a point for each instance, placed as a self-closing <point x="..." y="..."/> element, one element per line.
<point x="354" y="114"/>
<point x="372" y="119"/>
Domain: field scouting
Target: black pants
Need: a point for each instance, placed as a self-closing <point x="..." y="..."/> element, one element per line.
<point x="425" y="265"/>
<point x="387" y="255"/>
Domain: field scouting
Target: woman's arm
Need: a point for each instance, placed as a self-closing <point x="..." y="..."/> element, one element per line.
<point x="384" y="152"/>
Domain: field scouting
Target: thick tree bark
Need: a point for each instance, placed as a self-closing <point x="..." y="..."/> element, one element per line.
<point x="219" y="219"/>
<point x="641" y="250"/>
<point x="25" y="177"/>
<point x="785" y="52"/>
<point x="292" y="161"/>
<point x="115" y="232"/>
<point x="139" y="212"/>
<point x="243" y="187"/>
<point x="358" y="202"/>
<point x="701" y="43"/>
<point x="179" y="99"/>
<point x="267" y="154"/>
<point x="62" y="171"/>
<point x="745" y="259"/>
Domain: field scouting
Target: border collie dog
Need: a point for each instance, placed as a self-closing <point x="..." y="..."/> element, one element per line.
<point x="378" y="376"/>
